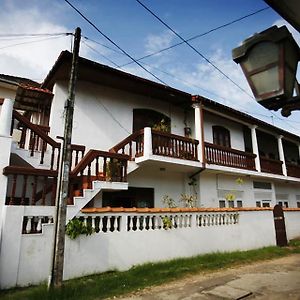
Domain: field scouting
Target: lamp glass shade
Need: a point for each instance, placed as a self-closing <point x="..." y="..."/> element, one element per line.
<point x="262" y="54"/>
<point x="266" y="81"/>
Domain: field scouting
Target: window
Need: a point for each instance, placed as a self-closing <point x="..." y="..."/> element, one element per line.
<point x="231" y="204"/>
<point x="258" y="204"/>
<point x="221" y="136"/>
<point x="239" y="203"/>
<point x="262" y="185"/>
<point x="298" y="204"/>
<point x="222" y="203"/>
<point x="265" y="204"/>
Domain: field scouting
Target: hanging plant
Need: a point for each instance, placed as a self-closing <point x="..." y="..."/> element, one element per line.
<point x="75" y="227"/>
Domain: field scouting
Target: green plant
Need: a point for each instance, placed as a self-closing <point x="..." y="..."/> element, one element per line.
<point x="188" y="200"/>
<point x="230" y="197"/>
<point x="75" y="227"/>
<point x="162" y="126"/>
<point x="167" y="222"/>
<point x="112" y="169"/>
<point x="168" y="201"/>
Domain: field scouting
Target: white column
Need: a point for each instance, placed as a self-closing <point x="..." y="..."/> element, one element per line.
<point x="6" y="117"/>
<point x="255" y="147"/>
<point x="198" y="130"/>
<point x="281" y="154"/>
<point x="147" y="142"/>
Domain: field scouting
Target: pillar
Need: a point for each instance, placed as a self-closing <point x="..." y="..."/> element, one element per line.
<point x="6" y="117"/>
<point x="147" y="142"/>
<point x="255" y="147"/>
<point x="199" y="130"/>
<point x="281" y="154"/>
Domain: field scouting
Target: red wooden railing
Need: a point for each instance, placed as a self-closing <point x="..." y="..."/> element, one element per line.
<point x="133" y="145"/>
<point x="270" y="165"/>
<point x="30" y="186"/>
<point x="172" y="145"/>
<point x="38" y="140"/>
<point x="224" y="156"/>
<point x="99" y="165"/>
<point x="293" y="170"/>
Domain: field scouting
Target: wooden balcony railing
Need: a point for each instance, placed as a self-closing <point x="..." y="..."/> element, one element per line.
<point x="35" y="139"/>
<point x="224" y="156"/>
<point x="293" y="170"/>
<point x="30" y="186"/>
<point x="172" y="145"/>
<point x="270" y="165"/>
<point x="133" y="145"/>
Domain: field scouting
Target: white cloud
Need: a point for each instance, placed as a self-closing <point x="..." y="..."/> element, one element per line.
<point x="156" y="42"/>
<point x="31" y="60"/>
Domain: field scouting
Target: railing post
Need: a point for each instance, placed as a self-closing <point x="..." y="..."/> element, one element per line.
<point x="199" y="130"/>
<point x="255" y="147"/>
<point x="147" y="142"/>
<point x="281" y="154"/>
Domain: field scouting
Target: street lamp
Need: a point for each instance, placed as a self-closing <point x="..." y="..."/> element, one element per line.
<point x="269" y="61"/>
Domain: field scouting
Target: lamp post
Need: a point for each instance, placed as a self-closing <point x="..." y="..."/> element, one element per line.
<point x="269" y="61"/>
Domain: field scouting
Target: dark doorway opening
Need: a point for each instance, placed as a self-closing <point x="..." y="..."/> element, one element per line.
<point x="133" y="197"/>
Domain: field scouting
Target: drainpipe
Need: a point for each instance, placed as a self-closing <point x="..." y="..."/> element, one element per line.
<point x="281" y="154"/>
<point x="255" y="147"/>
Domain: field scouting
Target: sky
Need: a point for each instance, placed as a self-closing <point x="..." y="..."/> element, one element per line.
<point x="137" y="32"/>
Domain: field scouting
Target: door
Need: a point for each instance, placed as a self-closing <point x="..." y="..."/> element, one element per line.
<point x="281" y="239"/>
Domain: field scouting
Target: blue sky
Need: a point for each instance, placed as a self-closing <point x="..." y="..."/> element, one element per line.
<point x="137" y="32"/>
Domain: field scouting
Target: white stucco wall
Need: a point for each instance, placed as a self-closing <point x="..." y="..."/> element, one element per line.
<point x="292" y="224"/>
<point x="287" y="189"/>
<point x="236" y="130"/>
<point x="103" y="116"/>
<point x="22" y="255"/>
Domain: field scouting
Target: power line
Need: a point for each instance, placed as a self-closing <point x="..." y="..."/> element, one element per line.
<point x="105" y="57"/>
<point x="192" y="47"/>
<point x="30" y="42"/>
<point x="33" y="34"/>
<point x="199" y="35"/>
<point x="115" y="44"/>
<point x="103" y="45"/>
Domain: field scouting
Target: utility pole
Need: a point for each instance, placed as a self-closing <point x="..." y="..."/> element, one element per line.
<point x="57" y="264"/>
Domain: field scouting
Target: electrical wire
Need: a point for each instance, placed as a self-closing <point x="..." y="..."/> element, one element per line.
<point x="30" y="42"/>
<point x="111" y="41"/>
<point x="192" y="47"/>
<point x="33" y="34"/>
<point x="95" y="50"/>
<point x="199" y="35"/>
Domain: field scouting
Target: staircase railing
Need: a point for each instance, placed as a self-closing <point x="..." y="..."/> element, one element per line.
<point x="30" y="186"/>
<point x="133" y="145"/>
<point x="35" y="139"/>
<point x="99" y="165"/>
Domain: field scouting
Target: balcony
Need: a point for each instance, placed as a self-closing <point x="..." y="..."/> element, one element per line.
<point x="293" y="170"/>
<point x="269" y="165"/>
<point x="224" y="156"/>
<point x="161" y="149"/>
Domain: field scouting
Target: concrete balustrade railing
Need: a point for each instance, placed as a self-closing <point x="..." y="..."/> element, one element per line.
<point x="121" y="221"/>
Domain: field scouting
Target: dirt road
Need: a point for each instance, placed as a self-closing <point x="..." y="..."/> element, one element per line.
<point x="276" y="279"/>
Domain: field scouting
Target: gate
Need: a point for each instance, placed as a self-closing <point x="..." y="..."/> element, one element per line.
<point x="281" y="239"/>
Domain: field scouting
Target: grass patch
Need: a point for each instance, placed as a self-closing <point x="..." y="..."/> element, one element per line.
<point x="117" y="283"/>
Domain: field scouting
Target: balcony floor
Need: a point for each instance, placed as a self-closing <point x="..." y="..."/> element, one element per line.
<point x="170" y="163"/>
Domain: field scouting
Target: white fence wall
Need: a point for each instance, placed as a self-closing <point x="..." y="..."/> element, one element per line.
<point x="292" y="223"/>
<point x="124" y="239"/>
